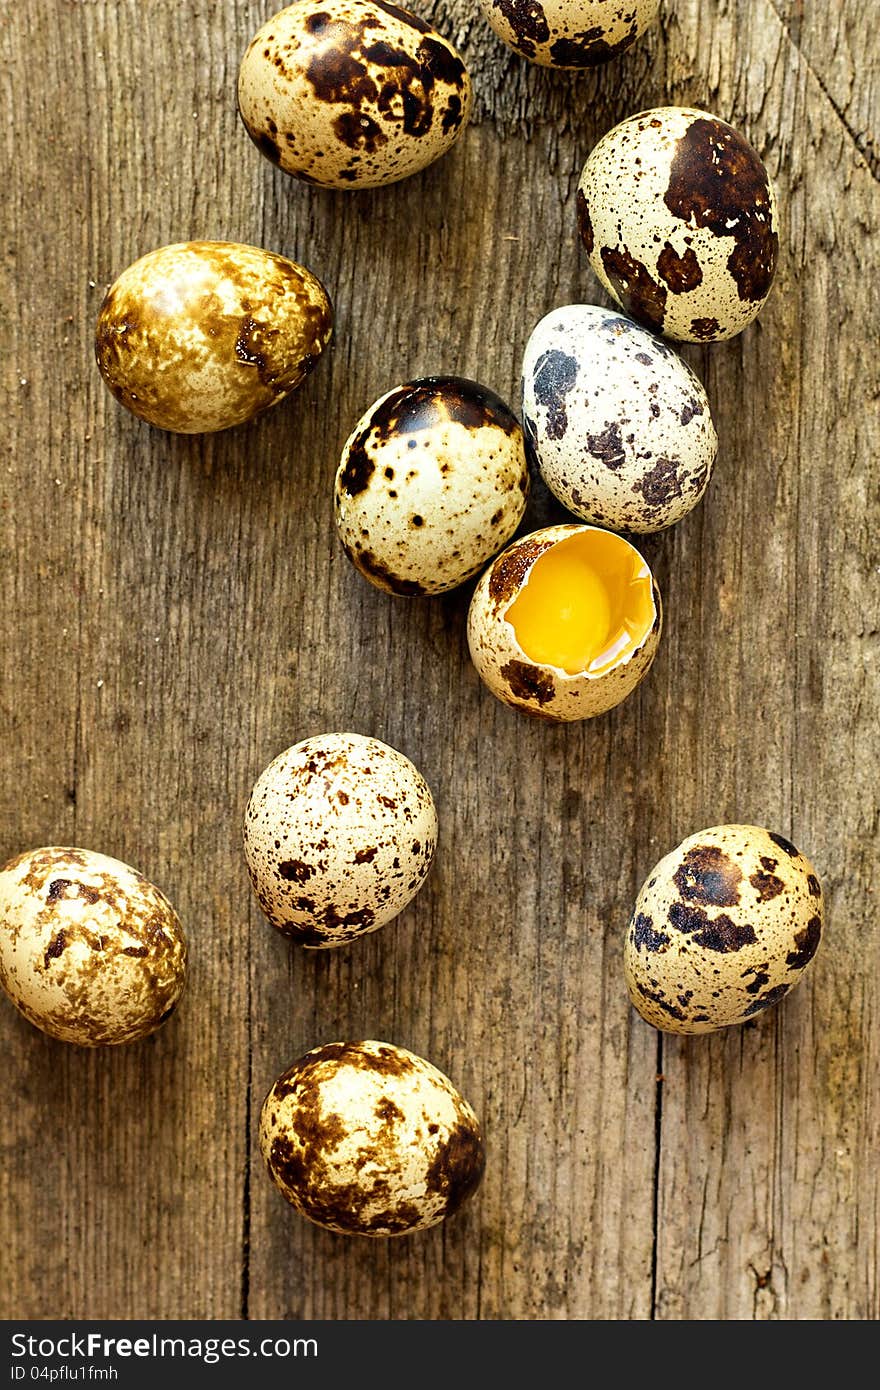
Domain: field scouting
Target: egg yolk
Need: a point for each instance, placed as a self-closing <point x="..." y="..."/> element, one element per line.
<point x="586" y="603"/>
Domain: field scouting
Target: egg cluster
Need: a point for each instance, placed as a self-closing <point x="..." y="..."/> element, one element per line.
<point x="678" y="218"/>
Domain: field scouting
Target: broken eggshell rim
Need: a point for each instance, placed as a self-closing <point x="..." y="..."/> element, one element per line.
<point x="548" y="536"/>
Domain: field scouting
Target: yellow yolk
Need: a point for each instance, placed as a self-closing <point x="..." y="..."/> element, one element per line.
<point x="586" y="603"/>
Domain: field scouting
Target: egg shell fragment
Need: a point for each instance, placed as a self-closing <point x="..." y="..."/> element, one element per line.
<point x="91" y="952"/>
<point x="723" y="927"/>
<point x="339" y="834"/>
<point x="200" y="336"/>
<point x="570" y="33"/>
<point x="432" y="483"/>
<point x="352" y="93"/>
<point x="679" y="219"/>
<point x="620" y="425"/>
<point x="545" y="692"/>
<point x="365" y="1138"/>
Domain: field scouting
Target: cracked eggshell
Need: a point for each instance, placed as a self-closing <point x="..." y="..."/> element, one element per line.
<point x="365" y="1138"/>
<point x="570" y="33"/>
<point x="339" y="834"/>
<point x="679" y="219"/>
<point x="432" y="483"/>
<point x="203" y="335"/>
<point x="352" y="93"/>
<point x="620" y="425"/>
<point x="723" y="928"/>
<point x="547" y="692"/>
<point x="90" y="951"/>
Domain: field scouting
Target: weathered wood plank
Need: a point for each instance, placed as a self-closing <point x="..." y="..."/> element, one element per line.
<point x="150" y="1197"/>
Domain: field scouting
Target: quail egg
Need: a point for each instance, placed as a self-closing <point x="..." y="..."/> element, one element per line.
<point x="569" y="33"/>
<point x="203" y="335"/>
<point x="620" y="426"/>
<point x="723" y="928"/>
<point x="352" y="93"/>
<point x="678" y="216"/>
<point x="339" y="834"/>
<point x="565" y="622"/>
<point x="368" y="1139"/>
<point x="90" y="951"/>
<point x="432" y="483"/>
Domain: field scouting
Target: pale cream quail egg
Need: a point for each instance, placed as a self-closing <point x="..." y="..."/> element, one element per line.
<point x="432" y="483"/>
<point x="366" y="1138"/>
<point x="678" y="216"/>
<point x="723" y="927"/>
<point x="339" y="834"/>
<point x="620" y="425"/>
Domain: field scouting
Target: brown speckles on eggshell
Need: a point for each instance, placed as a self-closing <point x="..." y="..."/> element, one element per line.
<point x="709" y="877"/>
<point x="679" y="273"/>
<point x="528" y="682"/>
<point x="766" y="885"/>
<point x="508" y="573"/>
<point x="584" y="222"/>
<point x="806" y="944"/>
<point x="717" y="180"/>
<point x="634" y="286"/>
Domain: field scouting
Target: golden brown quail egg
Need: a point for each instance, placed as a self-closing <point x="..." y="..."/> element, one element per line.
<point x="366" y="1138"/>
<point x="90" y="951"/>
<point x="203" y="335"/>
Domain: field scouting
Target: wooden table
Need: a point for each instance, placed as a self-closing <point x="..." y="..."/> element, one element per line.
<point x="176" y="611"/>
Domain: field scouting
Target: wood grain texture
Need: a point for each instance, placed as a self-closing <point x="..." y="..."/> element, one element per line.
<point x="177" y="611"/>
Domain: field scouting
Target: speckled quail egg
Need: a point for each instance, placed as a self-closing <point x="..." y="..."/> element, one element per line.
<point x="352" y="93"/>
<point x="723" y="927"/>
<point x="90" y="951"/>
<point x="570" y="33"/>
<point x="565" y="622"/>
<point x="368" y="1139"/>
<point x="339" y="834"/>
<point x="620" y="426"/>
<point x="203" y="335"/>
<point x="679" y="219"/>
<point x="432" y="483"/>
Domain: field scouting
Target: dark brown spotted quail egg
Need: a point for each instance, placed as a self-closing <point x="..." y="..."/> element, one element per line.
<point x="679" y="219"/>
<point x="339" y="834"/>
<point x="565" y="623"/>
<point x="570" y="33"/>
<point x="620" y="426"/>
<point x="90" y="951"/>
<point x="368" y="1139"/>
<point x="723" y="928"/>
<point x="203" y="335"/>
<point x="352" y="93"/>
<point x="432" y="483"/>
